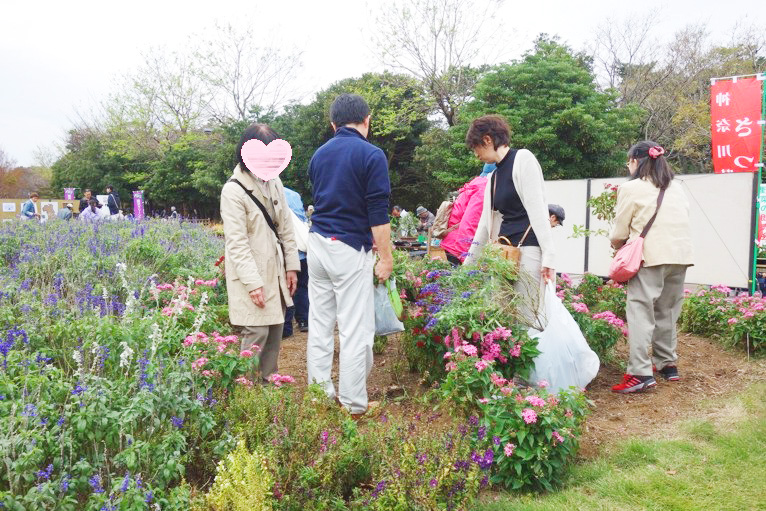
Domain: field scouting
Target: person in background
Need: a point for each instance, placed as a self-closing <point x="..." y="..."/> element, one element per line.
<point x="29" y="208"/>
<point x="398" y="212"/>
<point x="300" y="309"/>
<point x="557" y="215"/>
<point x="426" y="219"/>
<point x="464" y="219"/>
<point x="488" y="169"/>
<point x="113" y="202"/>
<point x="762" y="283"/>
<point x="85" y="200"/>
<point x="103" y="211"/>
<point x="261" y="261"/>
<point x="351" y="188"/>
<point x="65" y="213"/>
<point x="173" y="213"/>
<point x="656" y="292"/>
<point x="91" y="214"/>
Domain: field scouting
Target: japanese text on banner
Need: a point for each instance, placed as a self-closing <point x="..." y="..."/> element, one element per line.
<point x="736" y="124"/>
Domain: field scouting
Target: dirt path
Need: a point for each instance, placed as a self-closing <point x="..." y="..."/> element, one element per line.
<point x="707" y="371"/>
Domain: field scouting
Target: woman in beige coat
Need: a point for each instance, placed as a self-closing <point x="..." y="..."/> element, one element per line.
<point x="655" y="294"/>
<point x="261" y="265"/>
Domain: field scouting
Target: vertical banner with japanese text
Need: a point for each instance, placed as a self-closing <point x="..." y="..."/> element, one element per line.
<point x="737" y="124"/>
<point x="138" y="205"/>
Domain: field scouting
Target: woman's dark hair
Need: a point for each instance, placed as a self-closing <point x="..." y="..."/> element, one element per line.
<point x="495" y="126"/>
<point x="262" y="132"/>
<point x="655" y="168"/>
<point x="348" y="109"/>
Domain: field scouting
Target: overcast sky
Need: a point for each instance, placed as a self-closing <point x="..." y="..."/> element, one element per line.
<point x="58" y="58"/>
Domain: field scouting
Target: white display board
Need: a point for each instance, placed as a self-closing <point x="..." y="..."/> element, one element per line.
<point x="721" y="211"/>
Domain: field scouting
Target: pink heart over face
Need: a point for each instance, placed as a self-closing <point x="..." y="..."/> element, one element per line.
<point x="266" y="161"/>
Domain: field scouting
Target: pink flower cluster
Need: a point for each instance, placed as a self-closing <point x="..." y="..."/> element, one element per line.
<point x="557" y="438"/>
<point x="529" y="415"/>
<point x="741" y="307"/>
<point x="508" y="449"/>
<point x="580" y="307"/>
<point x="280" y="379"/>
<point x="244" y="381"/>
<point x="199" y="363"/>
<point x="613" y="320"/>
<point x="180" y="301"/>
<point x="206" y="283"/>
<point x="535" y="401"/>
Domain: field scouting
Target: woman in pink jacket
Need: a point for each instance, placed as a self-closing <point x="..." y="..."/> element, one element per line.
<point x="464" y="218"/>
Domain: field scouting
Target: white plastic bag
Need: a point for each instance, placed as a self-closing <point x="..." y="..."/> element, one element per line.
<point x="301" y="230"/>
<point x="386" y="321"/>
<point x="566" y="359"/>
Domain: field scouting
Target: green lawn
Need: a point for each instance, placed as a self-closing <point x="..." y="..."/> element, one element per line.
<point x="710" y="465"/>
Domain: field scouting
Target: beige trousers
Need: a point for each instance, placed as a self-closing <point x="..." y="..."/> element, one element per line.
<point x="268" y="339"/>
<point x="655" y="296"/>
<point x="530" y="286"/>
<point x="340" y="291"/>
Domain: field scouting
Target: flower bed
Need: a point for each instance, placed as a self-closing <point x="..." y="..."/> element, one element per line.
<point x="599" y="310"/>
<point x="734" y="320"/>
<point x="465" y="333"/>
<point x="123" y="387"/>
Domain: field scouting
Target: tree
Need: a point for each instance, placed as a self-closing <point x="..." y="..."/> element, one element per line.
<point x="437" y="41"/>
<point x="243" y="76"/>
<point x="670" y="80"/>
<point x="555" y="110"/>
<point x="399" y="118"/>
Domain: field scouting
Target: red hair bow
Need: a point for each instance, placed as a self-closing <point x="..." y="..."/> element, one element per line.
<point x="656" y="151"/>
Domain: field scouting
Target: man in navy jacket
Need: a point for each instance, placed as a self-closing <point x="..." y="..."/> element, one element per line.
<point x="351" y="191"/>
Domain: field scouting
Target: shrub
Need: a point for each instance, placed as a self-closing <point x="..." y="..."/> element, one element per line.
<point x="421" y="468"/>
<point x="735" y="321"/>
<point x="598" y="309"/>
<point x="318" y="454"/>
<point x="243" y="482"/>
<point x="533" y="435"/>
<point x="465" y="305"/>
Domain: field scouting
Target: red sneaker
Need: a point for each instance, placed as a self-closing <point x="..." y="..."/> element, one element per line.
<point x="631" y="383"/>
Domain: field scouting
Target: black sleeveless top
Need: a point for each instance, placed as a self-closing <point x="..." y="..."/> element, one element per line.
<point x="508" y="203"/>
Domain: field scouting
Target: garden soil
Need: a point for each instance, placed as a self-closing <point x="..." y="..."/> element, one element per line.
<point x="707" y="370"/>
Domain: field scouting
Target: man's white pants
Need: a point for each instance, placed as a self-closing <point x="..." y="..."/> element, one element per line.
<point x="340" y="289"/>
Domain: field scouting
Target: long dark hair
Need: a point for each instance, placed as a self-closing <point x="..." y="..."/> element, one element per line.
<point x="262" y="132"/>
<point x="651" y="164"/>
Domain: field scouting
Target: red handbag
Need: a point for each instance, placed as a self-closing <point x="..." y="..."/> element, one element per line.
<point x="627" y="261"/>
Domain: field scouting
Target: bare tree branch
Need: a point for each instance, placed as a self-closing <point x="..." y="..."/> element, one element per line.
<point x="435" y="41"/>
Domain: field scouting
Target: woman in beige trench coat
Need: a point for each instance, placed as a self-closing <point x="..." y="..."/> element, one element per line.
<point x="261" y="269"/>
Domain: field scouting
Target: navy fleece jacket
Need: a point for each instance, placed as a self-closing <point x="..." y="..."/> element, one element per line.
<point x="351" y="188"/>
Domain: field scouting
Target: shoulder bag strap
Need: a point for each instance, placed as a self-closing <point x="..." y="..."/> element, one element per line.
<point x="651" y="220"/>
<point x="521" y="241"/>
<point x="260" y="206"/>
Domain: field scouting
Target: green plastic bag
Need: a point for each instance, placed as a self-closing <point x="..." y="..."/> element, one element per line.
<point x="396" y="300"/>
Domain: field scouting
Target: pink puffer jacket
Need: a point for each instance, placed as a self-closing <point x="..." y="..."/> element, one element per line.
<point x="467" y="212"/>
